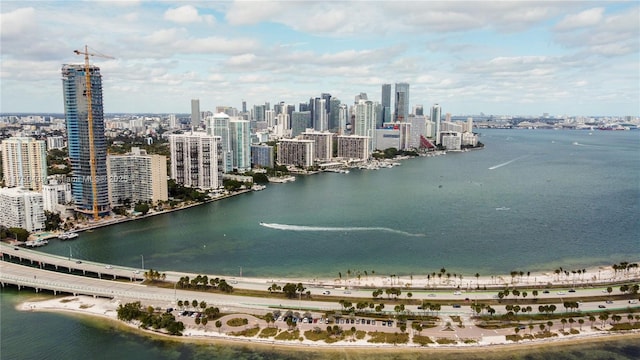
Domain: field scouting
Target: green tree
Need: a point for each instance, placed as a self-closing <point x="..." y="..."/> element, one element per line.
<point x="218" y="325"/>
<point x="19" y="234"/>
<point x="141" y="207"/>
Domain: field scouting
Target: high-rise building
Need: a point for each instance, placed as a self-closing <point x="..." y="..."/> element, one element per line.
<point x="323" y="143"/>
<point x="418" y="110"/>
<point x="401" y="108"/>
<point x="136" y="177"/>
<point x="296" y="152"/>
<point x="320" y="115"/>
<point x="334" y="114"/>
<point x="195" y="114"/>
<point x="354" y="147"/>
<point x="76" y="107"/>
<point x="300" y="122"/>
<point x="196" y="160"/>
<point x="24" y="162"/>
<point x="262" y="156"/>
<point x="365" y="120"/>
<point x="218" y="125"/>
<point x="436" y="118"/>
<point x="240" y="133"/>
<point x="386" y="103"/>
<point x="21" y="209"/>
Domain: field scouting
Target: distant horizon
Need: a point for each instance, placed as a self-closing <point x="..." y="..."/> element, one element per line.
<point x="549" y="116"/>
<point x="492" y="57"/>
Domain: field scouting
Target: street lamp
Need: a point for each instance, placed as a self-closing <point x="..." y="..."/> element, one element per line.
<point x="142" y="257"/>
<point x="69" y="253"/>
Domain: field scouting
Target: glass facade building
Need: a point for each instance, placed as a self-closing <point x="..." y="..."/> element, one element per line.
<point x="76" y="118"/>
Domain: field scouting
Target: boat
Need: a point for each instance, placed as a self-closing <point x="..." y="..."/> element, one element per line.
<point x="503" y="208"/>
<point x="258" y="187"/>
<point x="36" y="243"/>
<point x="68" y="236"/>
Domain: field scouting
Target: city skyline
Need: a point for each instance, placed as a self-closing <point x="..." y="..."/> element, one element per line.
<point x="519" y="58"/>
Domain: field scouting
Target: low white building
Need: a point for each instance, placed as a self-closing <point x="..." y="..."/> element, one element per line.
<point x="56" y="196"/>
<point x="21" y="209"/>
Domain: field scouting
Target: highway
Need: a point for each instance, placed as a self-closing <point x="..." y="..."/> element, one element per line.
<point x="129" y="287"/>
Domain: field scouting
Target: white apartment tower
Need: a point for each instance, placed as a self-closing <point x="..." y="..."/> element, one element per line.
<point x="56" y="195"/>
<point x="137" y="177"/>
<point x="21" y="208"/>
<point x="365" y="121"/>
<point x="24" y="162"/>
<point x="196" y="160"/>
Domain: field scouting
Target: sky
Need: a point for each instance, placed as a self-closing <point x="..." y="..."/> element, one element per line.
<point x="575" y="58"/>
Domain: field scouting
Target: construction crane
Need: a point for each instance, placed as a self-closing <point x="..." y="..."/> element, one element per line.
<point x="92" y="149"/>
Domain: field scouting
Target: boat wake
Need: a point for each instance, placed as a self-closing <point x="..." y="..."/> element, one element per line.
<point x="322" y="228"/>
<point x="506" y="163"/>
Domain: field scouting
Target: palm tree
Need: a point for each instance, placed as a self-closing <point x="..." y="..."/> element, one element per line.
<point x="219" y="325"/>
<point x="477" y="279"/>
<point x="204" y="322"/>
<point x="592" y="319"/>
<point x="571" y="321"/>
<point x="563" y="321"/>
<point x="580" y="321"/>
<point x="194" y="303"/>
<point x="180" y="304"/>
<point x="549" y="324"/>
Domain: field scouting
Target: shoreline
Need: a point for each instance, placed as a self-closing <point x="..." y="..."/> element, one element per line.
<point x="105" y="309"/>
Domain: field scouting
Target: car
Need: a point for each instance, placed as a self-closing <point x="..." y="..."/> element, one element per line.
<point x="16" y="249"/>
<point x="234" y="281"/>
<point x="456" y="306"/>
<point x="169" y="310"/>
<point x="136" y="271"/>
<point x="633" y="301"/>
<point x="545" y="292"/>
<point x="602" y="307"/>
<point x="522" y="327"/>
<point x="78" y="261"/>
<point x="384" y="323"/>
<point x="572" y="290"/>
<point x="108" y="267"/>
<point x="604" y="291"/>
<point x="431" y="295"/>
<point x="419" y="307"/>
<point x="609" y="302"/>
<point x="326" y="292"/>
<point x="561" y="293"/>
<point x="457" y="293"/>
<point x="347" y="292"/>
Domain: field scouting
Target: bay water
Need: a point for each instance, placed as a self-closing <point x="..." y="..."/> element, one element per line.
<point x="531" y="200"/>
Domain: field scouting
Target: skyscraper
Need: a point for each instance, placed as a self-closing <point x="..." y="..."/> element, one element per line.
<point x="219" y="126"/>
<point x="401" y="111"/>
<point x="436" y="114"/>
<point x="240" y="134"/>
<point x="76" y="109"/>
<point x="196" y="160"/>
<point x="195" y="113"/>
<point x="386" y="103"/>
<point x="24" y="162"/>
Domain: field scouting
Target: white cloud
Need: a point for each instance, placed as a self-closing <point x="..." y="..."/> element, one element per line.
<point x="17" y="22"/>
<point x="186" y="14"/>
<point x="584" y="18"/>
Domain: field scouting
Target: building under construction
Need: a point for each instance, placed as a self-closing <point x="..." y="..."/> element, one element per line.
<point x="86" y="141"/>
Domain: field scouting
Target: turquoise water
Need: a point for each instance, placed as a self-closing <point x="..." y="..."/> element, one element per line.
<point x="572" y="199"/>
<point x="569" y="199"/>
